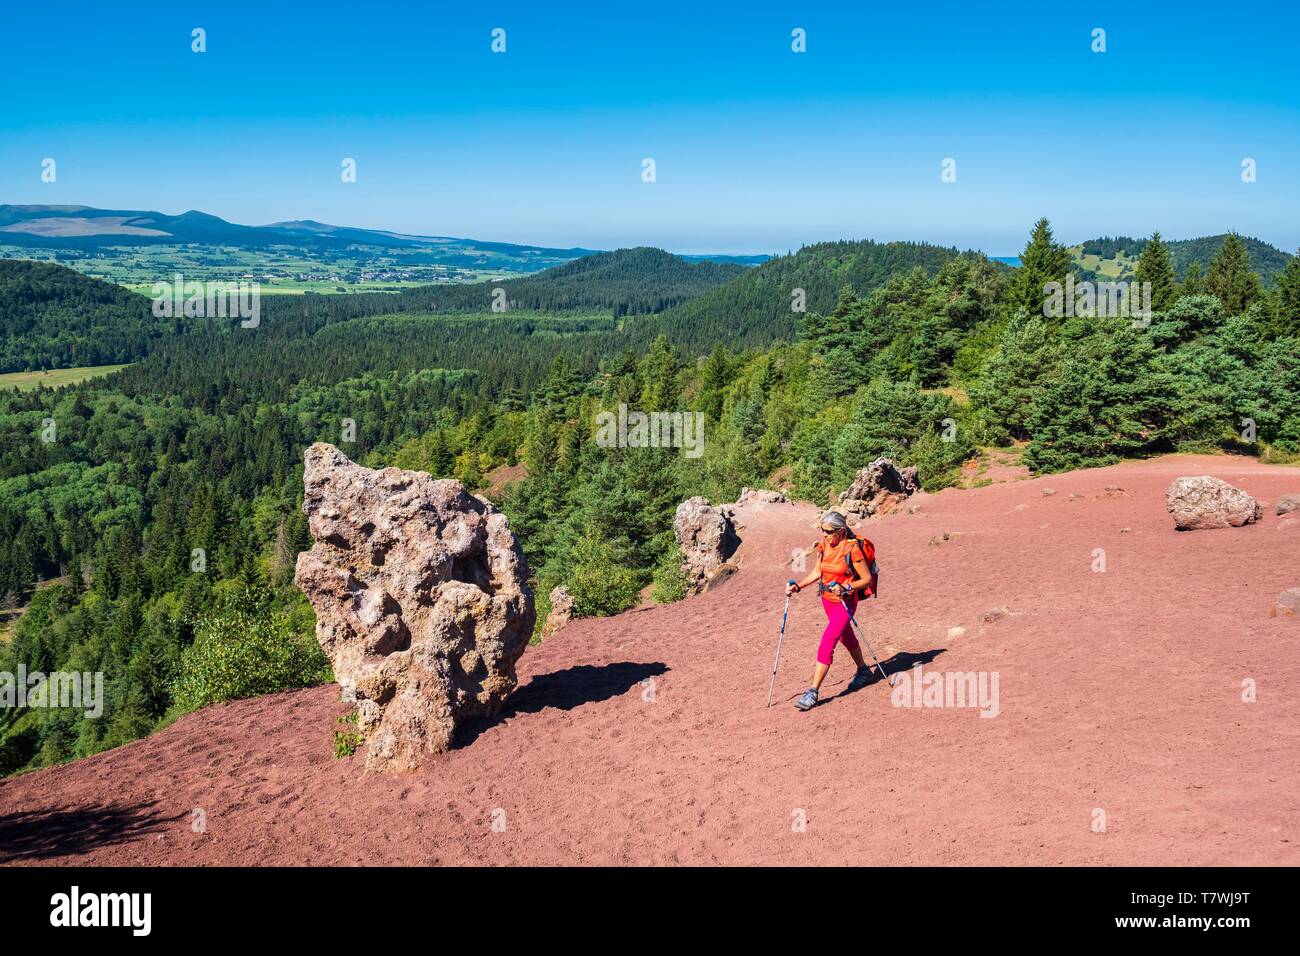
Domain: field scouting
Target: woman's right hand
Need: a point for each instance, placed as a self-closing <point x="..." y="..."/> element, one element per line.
<point x="791" y="587"/>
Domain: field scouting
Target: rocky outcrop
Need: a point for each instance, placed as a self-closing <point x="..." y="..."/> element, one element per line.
<point x="878" y="489"/>
<point x="758" y="496"/>
<point x="707" y="539"/>
<point x="421" y="602"/>
<point x="1204" y="502"/>
<point x="561" y="612"/>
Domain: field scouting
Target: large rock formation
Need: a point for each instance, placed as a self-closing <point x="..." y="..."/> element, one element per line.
<point x="1205" y="502"/>
<point x="878" y="488"/>
<point x="707" y="539"/>
<point x="420" y="597"/>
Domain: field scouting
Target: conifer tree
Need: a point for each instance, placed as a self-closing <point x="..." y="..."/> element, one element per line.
<point x="1155" y="266"/>
<point x="1230" y="277"/>
<point x="284" y="557"/>
<point x="713" y="380"/>
<point x="659" y="373"/>
<point x="1287" y="299"/>
<point x="1043" y="261"/>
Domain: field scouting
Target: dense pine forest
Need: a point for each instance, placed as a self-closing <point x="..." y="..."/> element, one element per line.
<point x="150" y="520"/>
<point x="627" y="282"/>
<point x="765" y="296"/>
<point x="51" y="317"/>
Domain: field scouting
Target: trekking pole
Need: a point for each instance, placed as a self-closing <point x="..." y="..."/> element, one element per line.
<point x="779" y="639"/>
<point x="863" y="634"/>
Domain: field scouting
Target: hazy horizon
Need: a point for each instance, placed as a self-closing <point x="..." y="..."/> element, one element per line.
<point x="992" y="254"/>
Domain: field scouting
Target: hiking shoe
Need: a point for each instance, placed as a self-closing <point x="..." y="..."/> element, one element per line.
<point x="808" y="701"/>
<point x="860" y="678"/>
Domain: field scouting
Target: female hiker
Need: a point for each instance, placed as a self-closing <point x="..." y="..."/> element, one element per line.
<point x="846" y="569"/>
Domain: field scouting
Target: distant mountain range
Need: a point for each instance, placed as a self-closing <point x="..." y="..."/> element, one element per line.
<point x="86" y="228"/>
<point x="136" y="248"/>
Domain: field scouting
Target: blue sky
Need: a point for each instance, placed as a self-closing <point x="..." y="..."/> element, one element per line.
<point x="757" y="148"/>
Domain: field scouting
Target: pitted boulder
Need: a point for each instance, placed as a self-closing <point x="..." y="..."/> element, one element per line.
<point x="1203" y="502"/>
<point x="879" y="488"/>
<point x="706" y="537"/>
<point x="421" y="601"/>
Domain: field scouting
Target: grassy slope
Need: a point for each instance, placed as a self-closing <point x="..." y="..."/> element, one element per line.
<point x="28" y="381"/>
<point x="1265" y="259"/>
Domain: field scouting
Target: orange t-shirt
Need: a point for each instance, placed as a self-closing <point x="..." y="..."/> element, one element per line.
<point x="833" y="568"/>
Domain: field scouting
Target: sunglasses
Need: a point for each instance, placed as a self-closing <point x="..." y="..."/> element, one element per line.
<point x="830" y="531"/>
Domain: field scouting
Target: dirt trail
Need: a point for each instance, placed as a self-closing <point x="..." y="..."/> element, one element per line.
<point x="643" y="738"/>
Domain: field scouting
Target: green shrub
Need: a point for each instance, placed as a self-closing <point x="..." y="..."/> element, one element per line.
<point x="1017" y="373"/>
<point x="243" y="649"/>
<point x="670" y="581"/>
<point x="600" y="585"/>
<point x="894" y="419"/>
<point x="1110" y="400"/>
<point x="346" y="738"/>
<point x="542" y="604"/>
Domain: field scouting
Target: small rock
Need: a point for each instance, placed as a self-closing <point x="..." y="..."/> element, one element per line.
<point x="1020" y="507"/>
<point x="1288" y="503"/>
<point x="954" y="632"/>
<point x="720" y="574"/>
<point x="1048" y="492"/>
<point x="1125" y="530"/>
<point x="1288" y="604"/>
<point x="1202" y="502"/>
<point x="997" y="614"/>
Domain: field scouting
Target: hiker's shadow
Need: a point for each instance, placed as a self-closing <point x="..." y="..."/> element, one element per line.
<point x="564" y="690"/>
<point x="900" y="663"/>
<point x="72" y="830"/>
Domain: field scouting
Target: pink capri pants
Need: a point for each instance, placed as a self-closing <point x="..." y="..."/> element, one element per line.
<point x="838" y="628"/>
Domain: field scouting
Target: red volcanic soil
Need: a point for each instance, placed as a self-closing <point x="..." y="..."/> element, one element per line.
<point x="644" y="738"/>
